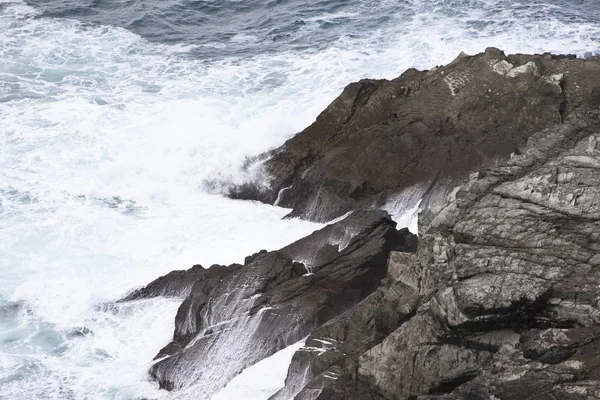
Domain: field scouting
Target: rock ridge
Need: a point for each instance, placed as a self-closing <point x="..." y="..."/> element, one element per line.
<point x="420" y="135"/>
<point x="235" y="316"/>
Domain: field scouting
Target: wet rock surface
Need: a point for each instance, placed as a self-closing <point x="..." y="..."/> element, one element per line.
<point x="238" y="315"/>
<point x="178" y="283"/>
<point x="420" y="135"/>
<point x="501" y="300"/>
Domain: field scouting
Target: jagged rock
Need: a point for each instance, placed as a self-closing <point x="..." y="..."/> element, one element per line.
<point x="178" y="283"/>
<point x="229" y="323"/>
<point x="501" y="301"/>
<point x="337" y="344"/>
<point x="422" y="134"/>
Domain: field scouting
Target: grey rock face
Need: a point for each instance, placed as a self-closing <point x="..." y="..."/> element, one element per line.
<point x="501" y="300"/>
<point x="233" y="318"/>
<point x="337" y="345"/>
<point x="422" y="134"/>
<point x="177" y="283"/>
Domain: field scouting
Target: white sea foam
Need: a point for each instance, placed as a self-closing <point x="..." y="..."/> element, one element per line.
<point x="405" y="214"/>
<point x="107" y="143"/>
<point x="261" y="380"/>
<point x="102" y="190"/>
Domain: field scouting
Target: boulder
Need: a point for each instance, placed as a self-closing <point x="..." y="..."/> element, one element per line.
<point x="502" y="298"/>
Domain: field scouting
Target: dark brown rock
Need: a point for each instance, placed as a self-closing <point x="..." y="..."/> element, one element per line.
<point x="420" y="135"/>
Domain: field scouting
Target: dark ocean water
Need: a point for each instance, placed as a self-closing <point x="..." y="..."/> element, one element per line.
<point x="114" y="112"/>
<point x="289" y="25"/>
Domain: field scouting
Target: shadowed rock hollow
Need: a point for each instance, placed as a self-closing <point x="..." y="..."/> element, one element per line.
<point x="420" y="135"/>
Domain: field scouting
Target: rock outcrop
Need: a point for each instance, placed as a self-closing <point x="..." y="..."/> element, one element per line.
<point x="420" y="135"/>
<point x="502" y="298"/>
<point x="235" y="316"/>
<point x="336" y="346"/>
<point x="179" y="283"/>
<point x="501" y="301"/>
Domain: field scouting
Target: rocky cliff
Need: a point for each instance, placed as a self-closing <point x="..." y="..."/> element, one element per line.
<point x="502" y="298"/>
<point x="420" y="135"/>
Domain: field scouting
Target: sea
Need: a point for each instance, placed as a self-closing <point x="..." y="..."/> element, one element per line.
<point x="124" y="122"/>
